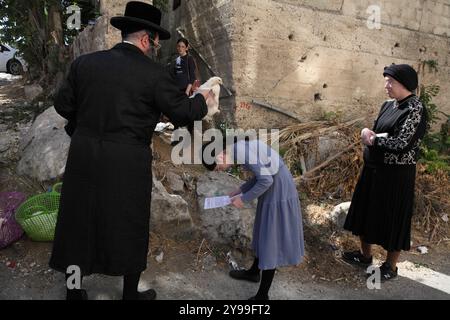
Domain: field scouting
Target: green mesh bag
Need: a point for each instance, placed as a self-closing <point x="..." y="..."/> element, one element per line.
<point x="37" y="216"/>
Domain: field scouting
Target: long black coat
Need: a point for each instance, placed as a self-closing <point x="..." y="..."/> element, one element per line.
<point x="113" y="100"/>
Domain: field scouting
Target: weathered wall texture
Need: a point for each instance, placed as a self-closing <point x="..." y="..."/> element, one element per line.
<point x="102" y="35"/>
<point x="315" y="56"/>
<point x="310" y="57"/>
<point x="289" y="52"/>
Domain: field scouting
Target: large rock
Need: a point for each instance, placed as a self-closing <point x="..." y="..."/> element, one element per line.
<point x="170" y="213"/>
<point x="4" y="142"/>
<point x="44" y="147"/>
<point x="175" y="182"/>
<point x="226" y="225"/>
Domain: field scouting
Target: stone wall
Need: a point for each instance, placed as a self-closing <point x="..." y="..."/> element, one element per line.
<point x="315" y="57"/>
<point x="309" y="57"/>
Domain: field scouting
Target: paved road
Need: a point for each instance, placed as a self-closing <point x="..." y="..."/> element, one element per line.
<point x="175" y="278"/>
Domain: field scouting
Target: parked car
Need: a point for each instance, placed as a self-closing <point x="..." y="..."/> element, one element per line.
<point x="10" y="60"/>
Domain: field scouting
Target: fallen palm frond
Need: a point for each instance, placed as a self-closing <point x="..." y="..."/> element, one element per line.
<point x="329" y="160"/>
<point x="334" y="176"/>
<point x="299" y="132"/>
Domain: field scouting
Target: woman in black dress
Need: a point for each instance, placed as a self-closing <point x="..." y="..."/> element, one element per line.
<point x="184" y="67"/>
<point x="382" y="204"/>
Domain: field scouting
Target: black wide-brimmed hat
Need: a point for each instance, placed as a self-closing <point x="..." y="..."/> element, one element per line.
<point x="139" y="16"/>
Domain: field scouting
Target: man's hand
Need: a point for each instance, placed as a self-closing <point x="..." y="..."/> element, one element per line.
<point x="237" y="202"/>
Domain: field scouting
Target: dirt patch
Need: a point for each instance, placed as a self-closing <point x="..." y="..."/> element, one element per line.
<point x="12" y="91"/>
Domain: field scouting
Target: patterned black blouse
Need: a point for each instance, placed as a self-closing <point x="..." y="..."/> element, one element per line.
<point x="405" y="122"/>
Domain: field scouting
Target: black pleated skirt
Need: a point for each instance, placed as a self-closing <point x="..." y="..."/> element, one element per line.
<point x="382" y="207"/>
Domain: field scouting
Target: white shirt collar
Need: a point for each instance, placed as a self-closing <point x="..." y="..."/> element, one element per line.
<point x="129" y="42"/>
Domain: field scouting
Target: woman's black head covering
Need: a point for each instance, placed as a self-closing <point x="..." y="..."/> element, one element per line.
<point x="403" y="73"/>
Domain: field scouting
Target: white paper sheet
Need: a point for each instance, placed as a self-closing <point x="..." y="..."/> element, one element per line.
<point x="383" y="135"/>
<point x="219" y="202"/>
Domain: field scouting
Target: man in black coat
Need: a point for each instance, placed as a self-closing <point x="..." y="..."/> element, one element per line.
<point x="113" y="100"/>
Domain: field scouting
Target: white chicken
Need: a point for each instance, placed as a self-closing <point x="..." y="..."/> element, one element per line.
<point x="212" y="102"/>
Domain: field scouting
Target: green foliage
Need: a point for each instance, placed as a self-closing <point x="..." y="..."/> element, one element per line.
<point x="235" y="171"/>
<point x="435" y="161"/>
<point x="427" y="94"/>
<point x="39" y="31"/>
<point x="329" y="116"/>
<point x="432" y="65"/>
<point x="161" y="4"/>
<point x="283" y="152"/>
<point x="436" y="146"/>
<point x="439" y="141"/>
<point x="18" y="30"/>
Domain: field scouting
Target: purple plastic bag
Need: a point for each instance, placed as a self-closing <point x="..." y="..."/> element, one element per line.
<point x="10" y="230"/>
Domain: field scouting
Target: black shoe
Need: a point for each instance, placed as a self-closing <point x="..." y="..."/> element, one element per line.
<point x="147" y="295"/>
<point x="387" y="273"/>
<point x="357" y="258"/>
<point x="245" y="275"/>
<point x="76" y="294"/>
